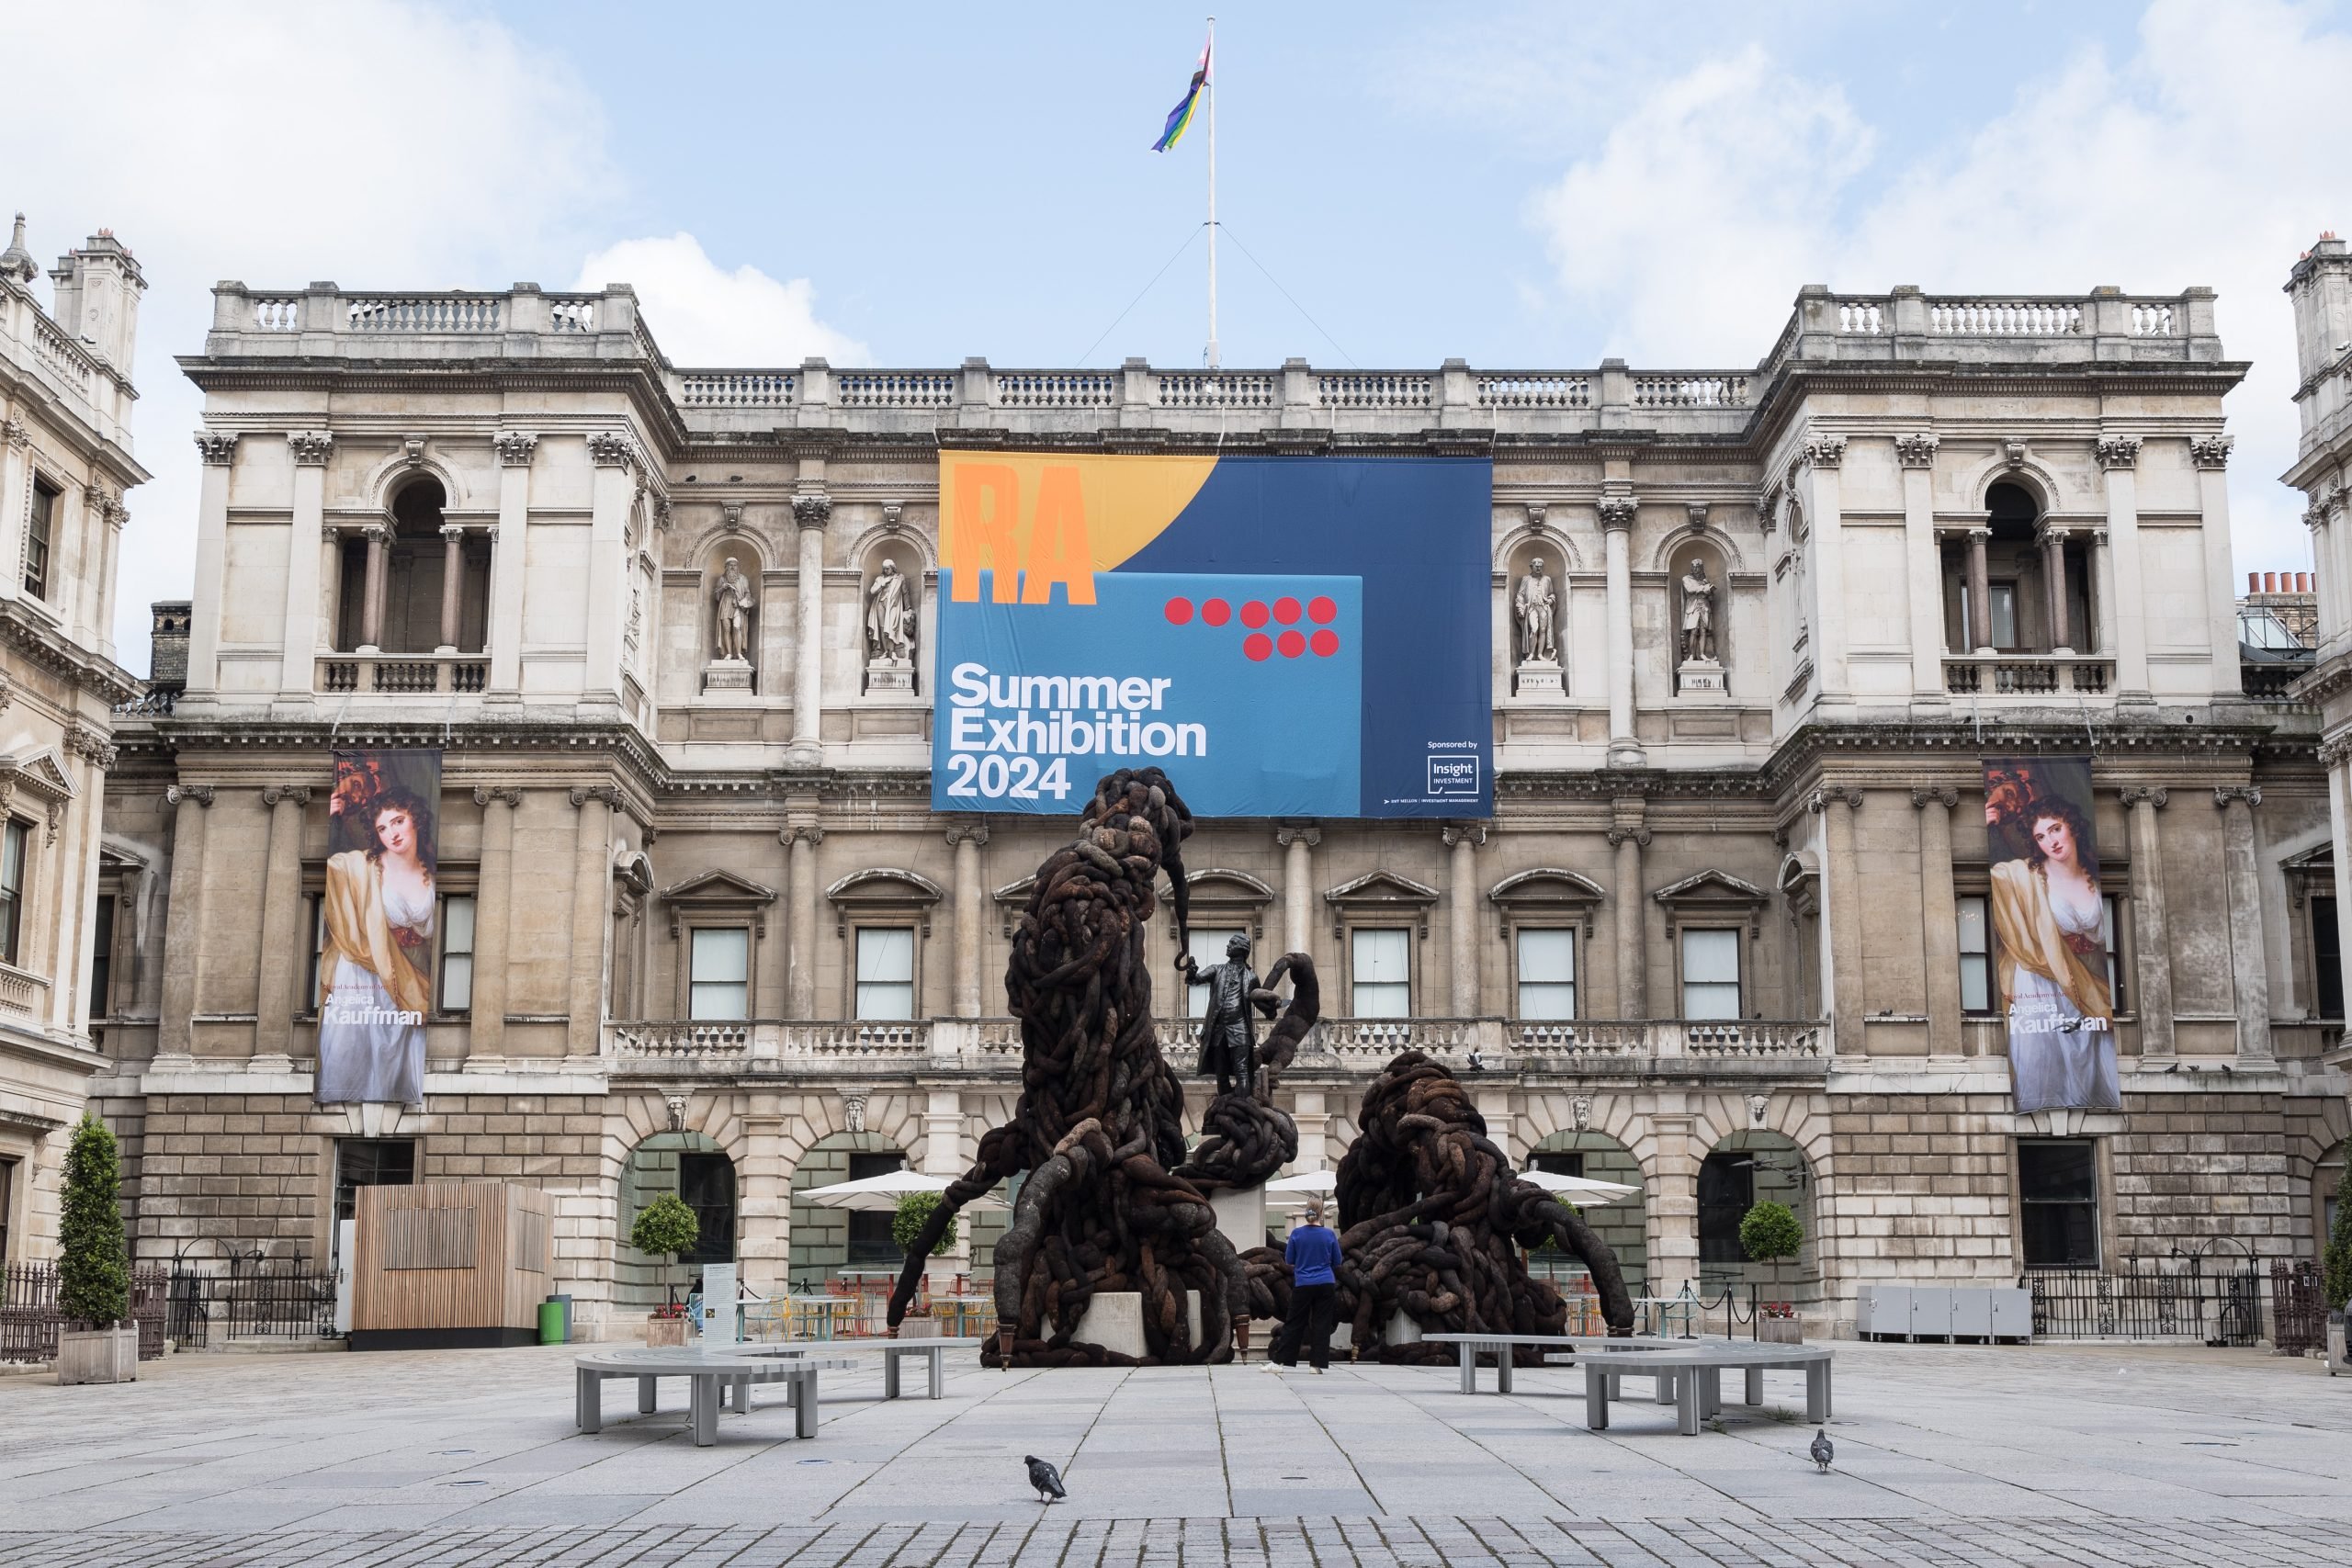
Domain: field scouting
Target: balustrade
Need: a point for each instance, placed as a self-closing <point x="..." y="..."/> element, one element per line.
<point x="1193" y="389"/>
<point x="426" y="313"/>
<point x="1694" y="390"/>
<point x="2003" y="318"/>
<point x="2029" y="675"/>
<point x="1373" y="389"/>
<point x="1056" y="389"/>
<point x="736" y="390"/>
<point x="1534" y="390"/>
<point x="894" y="389"/>
<point x="405" y="675"/>
<point x="23" y="995"/>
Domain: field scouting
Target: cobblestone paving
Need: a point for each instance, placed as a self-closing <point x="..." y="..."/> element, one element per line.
<point x="2102" y="1458"/>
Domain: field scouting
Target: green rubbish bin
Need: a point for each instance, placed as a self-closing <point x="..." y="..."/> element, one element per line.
<point x="551" y="1323"/>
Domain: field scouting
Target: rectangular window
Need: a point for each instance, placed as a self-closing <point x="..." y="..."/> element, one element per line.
<point x="8" y="1202"/>
<point x="2110" y="922"/>
<point x="718" y="984"/>
<point x="1384" y="974"/>
<point x="38" y="528"/>
<point x="1208" y="950"/>
<point x="13" y="843"/>
<point x="1548" y="972"/>
<point x="2002" y="598"/>
<point x="370" y="1162"/>
<point x="869" y="1231"/>
<point x="1711" y="974"/>
<point x="318" y="952"/>
<point x="2327" y="956"/>
<point x="2058" y="1193"/>
<point x="885" y="973"/>
<point x="102" y="959"/>
<point x="458" y="953"/>
<point x="707" y="1185"/>
<point x="1975" y="955"/>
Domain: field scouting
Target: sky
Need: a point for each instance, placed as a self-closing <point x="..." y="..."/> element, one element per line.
<point x="1521" y="185"/>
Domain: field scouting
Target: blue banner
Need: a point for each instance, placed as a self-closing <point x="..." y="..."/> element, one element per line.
<point x="1287" y="637"/>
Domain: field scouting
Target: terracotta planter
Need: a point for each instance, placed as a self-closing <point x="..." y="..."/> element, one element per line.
<point x="97" y="1355"/>
<point x="662" y="1331"/>
<point x="1780" y="1331"/>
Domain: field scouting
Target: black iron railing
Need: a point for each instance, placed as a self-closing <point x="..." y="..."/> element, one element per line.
<point x="31" y="1316"/>
<point x="2197" y="1297"/>
<point x="249" y="1297"/>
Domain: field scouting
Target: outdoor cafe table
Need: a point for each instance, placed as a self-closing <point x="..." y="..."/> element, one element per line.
<point x="709" y="1374"/>
<point x="1691" y="1368"/>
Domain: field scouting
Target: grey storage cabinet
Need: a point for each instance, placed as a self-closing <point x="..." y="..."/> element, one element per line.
<point x="1881" y="1311"/>
<point x="1930" y="1311"/>
<point x="2012" y="1314"/>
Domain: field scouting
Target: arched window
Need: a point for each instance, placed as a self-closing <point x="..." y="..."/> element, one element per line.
<point x="2037" y="589"/>
<point x="434" y="591"/>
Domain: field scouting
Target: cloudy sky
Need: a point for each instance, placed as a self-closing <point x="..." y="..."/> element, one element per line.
<point x="1523" y="186"/>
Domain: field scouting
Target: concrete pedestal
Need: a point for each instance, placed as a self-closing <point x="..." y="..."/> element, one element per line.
<point x="726" y="675"/>
<point x="1241" y="1218"/>
<point x="1114" y="1320"/>
<point x="1700" y="678"/>
<point x="889" y="675"/>
<point x="1541" y="677"/>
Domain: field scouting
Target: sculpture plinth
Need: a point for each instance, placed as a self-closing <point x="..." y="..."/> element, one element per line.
<point x="726" y="675"/>
<point x="1542" y="677"/>
<point x="1700" y="678"/>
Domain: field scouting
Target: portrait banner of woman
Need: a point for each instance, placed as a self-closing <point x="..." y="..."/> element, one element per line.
<point x="376" y="945"/>
<point x="2051" y="935"/>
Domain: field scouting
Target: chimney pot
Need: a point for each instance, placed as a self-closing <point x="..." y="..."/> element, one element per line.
<point x="2254" y="583"/>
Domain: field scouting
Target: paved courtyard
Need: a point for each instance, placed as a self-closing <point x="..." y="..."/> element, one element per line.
<point x="2092" y="1456"/>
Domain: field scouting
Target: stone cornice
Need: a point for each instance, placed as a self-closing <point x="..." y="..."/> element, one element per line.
<point x="33" y="637"/>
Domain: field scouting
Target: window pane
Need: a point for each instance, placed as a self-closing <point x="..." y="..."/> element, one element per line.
<point x="717" y="1001"/>
<point x="1547" y="954"/>
<point x="1380" y="1000"/>
<point x="1711" y="956"/>
<point x="2003" y="598"/>
<point x="457" y="924"/>
<point x="102" y="959"/>
<point x="2055" y="1172"/>
<point x="722" y="955"/>
<point x="1974" y="933"/>
<point x="1975" y="982"/>
<point x="2109" y="924"/>
<point x="12" y="859"/>
<point x="457" y="983"/>
<point x="1208" y="948"/>
<point x="885" y="952"/>
<point x="1382" y="956"/>
<point x="1539" y="1001"/>
<point x="2327" y="955"/>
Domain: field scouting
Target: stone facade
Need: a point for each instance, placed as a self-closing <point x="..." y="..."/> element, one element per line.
<point x="65" y="463"/>
<point x="1936" y="528"/>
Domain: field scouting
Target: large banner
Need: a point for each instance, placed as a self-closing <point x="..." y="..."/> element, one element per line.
<point x="376" y="948"/>
<point x="1288" y="637"/>
<point x="2051" y="926"/>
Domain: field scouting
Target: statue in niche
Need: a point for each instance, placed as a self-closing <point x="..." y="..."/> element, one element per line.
<point x="736" y="599"/>
<point x="889" y="617"/>
<point x="1698" y="615"/>
<point x="1535" y="606"/>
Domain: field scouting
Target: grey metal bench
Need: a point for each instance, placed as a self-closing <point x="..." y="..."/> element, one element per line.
<point x="711" y="1376"/>
<point x="934" y="1351"/>
<point x="1690" y="1376"/>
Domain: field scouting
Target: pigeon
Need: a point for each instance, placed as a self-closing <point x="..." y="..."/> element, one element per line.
<point x="1822" y="1451"/>
<point x="1045" y="1478"/>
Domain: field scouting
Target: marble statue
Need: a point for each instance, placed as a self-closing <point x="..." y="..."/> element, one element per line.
<point x="1536" y="605"/>
<point x="889" y="617"/>
<point x="1698" y="615"/>
<point x="736" y="600"/>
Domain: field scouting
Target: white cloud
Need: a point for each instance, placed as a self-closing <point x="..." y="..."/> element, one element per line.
<point x="2193" y="161"/>
<point x="384" y="143"/>
<point x="703" y="315"/>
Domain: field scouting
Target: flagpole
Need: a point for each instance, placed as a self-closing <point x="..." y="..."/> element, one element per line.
<point x="1209" y="87"/>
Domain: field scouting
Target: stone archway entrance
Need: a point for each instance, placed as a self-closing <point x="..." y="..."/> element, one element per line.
<point x="1745" y="1169"/>
<point x="1625" y="1224"/>
<point x="698" y="1171"/>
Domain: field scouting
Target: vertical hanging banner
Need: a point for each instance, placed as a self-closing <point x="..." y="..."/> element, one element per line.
<point x="1288" y="637"/>
<point x="375" y="941"/>
<point x="2049" y="920"/>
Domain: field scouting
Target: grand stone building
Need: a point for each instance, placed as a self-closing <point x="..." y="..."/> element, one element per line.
<point x="65" y="461"/>
<point x="1722" y="937"/>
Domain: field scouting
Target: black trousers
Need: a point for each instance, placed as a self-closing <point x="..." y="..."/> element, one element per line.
<point x="1310" y="1321"/>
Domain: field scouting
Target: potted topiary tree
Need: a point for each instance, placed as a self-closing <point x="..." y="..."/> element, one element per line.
<point x="1768" y="1232"/>
<point x="666" y="1228"/>
<point x="914" y="1212"/>
<point x="98" y="1342"/>
<point x="2335" y="1278"/>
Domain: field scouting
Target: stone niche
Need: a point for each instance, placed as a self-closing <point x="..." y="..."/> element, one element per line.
<point x="730" y="633"/>
<point x="889" y="615"/>
<point x="1700" y="672"/>
<point x="1538" y="652"/>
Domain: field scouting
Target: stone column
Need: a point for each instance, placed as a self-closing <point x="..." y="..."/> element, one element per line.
<point x="1671" y="1174"/>
<point x="1314" y="1121"/>
<point x="298" y="667"/>
<point x="1819" y="461"/>
<point x="1629" y="906"/>
<point x="183" y="922"/>
<point x="592" y="874"/>
<point x="811" y="512"/>
<point x="217" y="450"/>
<point x="2211" y="455"/>
<point x="372" y="609"/>
<point x="1841" y="893"/>
<point x="2120" y="570"/>
<point x="493" y="915"/>
<point x="942" y="1130"/>
<point x="1980" y="591"/>
<point x="1939" y="923"/>
<point x="764" y="1203"/>
<point x="1617" y="526"/>
<point x="801" y="840"/>
<point x="2054" y="578"/>
<point x="612" y="495"/>
<point x="505" y="632"/>
<point x="453" y="564"/>
<point x="2338" y="756"/>
<point x="2152" y="947"/>
<point x="1924" y="553"/>
<point x="16" y="449"/>
<point x="971" y="913"/>
<point x="1298" y="841"/>
<point x="284" y="942"/>
<point x="2249" y="973"/>
<point x="1462" y="899"/>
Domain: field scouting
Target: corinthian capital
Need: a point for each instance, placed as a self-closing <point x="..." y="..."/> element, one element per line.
<point x="613" y="449"/>
<point x="516" y="447"/>
<point x="1617" y="511"/>
<point x="1821" y="452"/>
<point x="1917" y="451"/>
<point x="16" y="434"/>
<point x="2211" y="451"/>
<point x="2117" y="451"/>
<point x="217" y="447"/>
<point x="310" y="447"/>
<point x="813" y="509"/>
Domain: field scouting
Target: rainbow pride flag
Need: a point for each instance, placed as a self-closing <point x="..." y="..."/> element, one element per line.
<point x="1180" y="117"/>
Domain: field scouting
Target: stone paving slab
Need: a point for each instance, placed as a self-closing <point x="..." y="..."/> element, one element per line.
<point x="2100" y="1458"/>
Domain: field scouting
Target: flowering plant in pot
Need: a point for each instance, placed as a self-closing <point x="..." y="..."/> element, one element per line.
<point x="1768" y="1232"/>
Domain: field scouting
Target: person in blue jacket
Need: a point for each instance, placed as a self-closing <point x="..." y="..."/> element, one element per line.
<point x="1313" y="1255"/>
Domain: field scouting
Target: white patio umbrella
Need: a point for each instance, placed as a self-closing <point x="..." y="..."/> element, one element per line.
<point x="1297" y="1191"/>
<point x="1579" y="1190"/>
<point x="880" y="1194"/>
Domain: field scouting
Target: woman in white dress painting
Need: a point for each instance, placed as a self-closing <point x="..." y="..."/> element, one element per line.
<point x="374" y="981"/>
<point x="2050" y="918"/>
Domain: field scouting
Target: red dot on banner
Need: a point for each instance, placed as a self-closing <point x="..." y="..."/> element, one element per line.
<point x="1292" y="644"/>
<point x="1179" y="610"/>
<point x="1257" y="645"/>
<point x="1326" y="643"/>
<point x="1215" y="611"/>
<point x="1253" y="613"/>
<point x="1321" y="611"/>
<point x="1286" y="609"/>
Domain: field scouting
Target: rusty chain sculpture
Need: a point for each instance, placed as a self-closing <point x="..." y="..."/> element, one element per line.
<point x="1432" y="1222"/>
<point x="1100" y="1123"/>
